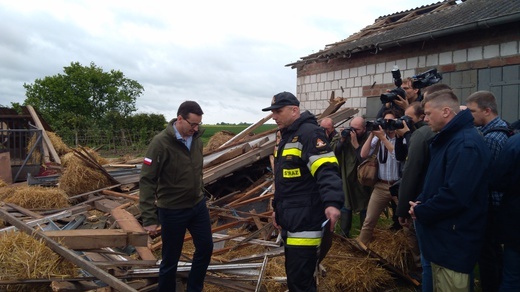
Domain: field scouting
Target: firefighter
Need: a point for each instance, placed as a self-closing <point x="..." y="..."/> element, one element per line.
<point x="308" y="190"/>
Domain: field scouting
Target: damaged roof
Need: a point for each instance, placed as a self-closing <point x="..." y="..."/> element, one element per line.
<point x="426" y="22"/>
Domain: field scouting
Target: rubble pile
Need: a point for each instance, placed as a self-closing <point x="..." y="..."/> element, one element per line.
<point x="87" y="216"/>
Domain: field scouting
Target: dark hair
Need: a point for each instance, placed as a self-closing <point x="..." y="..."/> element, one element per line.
<point x="417" y="108"/>
<point x="189" y="107"/>
<point x="392" y="112"/>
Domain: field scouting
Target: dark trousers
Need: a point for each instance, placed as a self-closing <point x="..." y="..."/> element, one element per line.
<point x="173" y="229"/>
<point x="491" y="255"/>
<point x="300" y="264"/>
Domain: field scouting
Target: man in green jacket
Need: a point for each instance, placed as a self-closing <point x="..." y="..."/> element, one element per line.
<point x="171" y="194"/>
<point x="347" y="150"/>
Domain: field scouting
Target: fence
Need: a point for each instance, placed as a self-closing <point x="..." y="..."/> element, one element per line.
<point x="107" y="142"/>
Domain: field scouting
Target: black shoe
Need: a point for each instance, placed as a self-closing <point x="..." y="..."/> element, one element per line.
<point x="395" y="227"/>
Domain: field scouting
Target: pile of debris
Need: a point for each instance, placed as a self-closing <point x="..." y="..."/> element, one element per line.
<point x="79" y="229"/>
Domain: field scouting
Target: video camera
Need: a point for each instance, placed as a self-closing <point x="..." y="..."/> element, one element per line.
<point x="391" y="125"/>
<point x="426" y="78"/>
<point x="392" y="95"/>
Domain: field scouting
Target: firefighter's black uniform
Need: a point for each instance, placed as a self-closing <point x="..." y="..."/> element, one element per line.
<point x="306" y="182"/>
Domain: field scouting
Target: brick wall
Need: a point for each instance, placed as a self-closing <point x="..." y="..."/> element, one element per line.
<point x="368" y="74"/>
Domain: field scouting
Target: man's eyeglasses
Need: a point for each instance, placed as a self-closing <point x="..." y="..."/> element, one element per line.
<point x="193" y="125"/>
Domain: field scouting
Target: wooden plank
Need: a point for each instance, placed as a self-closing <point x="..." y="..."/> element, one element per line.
<point x="120" y="195"/>
<point x="250" y="193"/>
<point x="361" y="246"/>
<point x="106" y="205"/>
<point x="68" y="254"/>
<point x="246" y="131"/>
<point x="48" y="147"/>
<point x="256" y="199"/>
<point x="234" y="152"/>
<point x="248" y="158"/>
<point x="261" y="274"/>
<point x="24" y="211"/>
<point x="83" y="239"/>
<point x="73" y="286"/>
<point x="127" y="222"/>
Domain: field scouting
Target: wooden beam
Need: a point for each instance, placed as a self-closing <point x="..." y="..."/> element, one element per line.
<point x="127" y="222"/>
<point x="246" y="131"/>
<point x="47" y="141"/>
<point x="68" y="254"/>
<point x="120" y="195"/>
<point x="84" y="239"/>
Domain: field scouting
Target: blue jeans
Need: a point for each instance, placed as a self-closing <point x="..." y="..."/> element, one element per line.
<point x="511" y="269"/>
<point x="427" y="277"/>
<point x="174" y="223"/>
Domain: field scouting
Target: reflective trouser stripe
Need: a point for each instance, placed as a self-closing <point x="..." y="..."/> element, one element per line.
<point x="303" y="241"/>
<point x="304" y="238"/>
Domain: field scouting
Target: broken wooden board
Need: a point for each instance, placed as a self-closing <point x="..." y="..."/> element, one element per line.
<point x="85" y="239"/>
<point x="127" y="222"/>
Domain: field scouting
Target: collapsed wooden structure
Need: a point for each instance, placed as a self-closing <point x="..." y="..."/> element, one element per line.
<point x="101" y="233"/>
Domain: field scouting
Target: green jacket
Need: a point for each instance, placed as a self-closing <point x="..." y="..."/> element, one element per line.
<point x="356" y="195"/>
<point x="171" y="175"/>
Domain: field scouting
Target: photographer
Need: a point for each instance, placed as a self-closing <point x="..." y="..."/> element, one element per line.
<point x="347" y="150"/>
<point x="328" y="126"/>
<point x="383" y="137"/>
<point x="401" y="99"/>
<point x="412" y="120"/>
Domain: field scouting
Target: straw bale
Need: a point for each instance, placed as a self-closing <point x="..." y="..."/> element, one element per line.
<point x="24" y="257"/>
<point x="58" y="144"/>
<point x="37" y="197"/>
<point x="77" y="178"/>
<point x="395" y="247"/>
<point x="217" y="140"/>
<point x="70" y="157"/>
<point x="6" y="191"/>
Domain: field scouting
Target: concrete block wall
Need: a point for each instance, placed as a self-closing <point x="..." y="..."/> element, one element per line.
<point x="357" y="83"/>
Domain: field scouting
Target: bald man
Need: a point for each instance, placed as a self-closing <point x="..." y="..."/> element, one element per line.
<point x="328" y="125"/>
<point x="347" y="151"/>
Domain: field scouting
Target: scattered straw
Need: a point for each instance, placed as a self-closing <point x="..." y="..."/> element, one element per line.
<point x="3" y="183"/>
<point x="24" y="257"/>
<point x="395" y="247"/>
<point x="36" y="197"/>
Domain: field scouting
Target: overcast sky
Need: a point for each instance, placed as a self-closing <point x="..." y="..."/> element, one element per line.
<point x="229" y="56"/>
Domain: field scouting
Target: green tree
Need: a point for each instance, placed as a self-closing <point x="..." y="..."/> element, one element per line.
<point x="84" y="97"/>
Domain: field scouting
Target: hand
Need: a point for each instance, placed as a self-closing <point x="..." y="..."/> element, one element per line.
<point x="401" y="102"/>
<point x="151" y="229"/>
<point x="353" y="139"/>
<point x="412" y="206"/>
<point x="379" y="133"/>
<point x="404" y="221"/>
<point x="332" y="213"/>
<point x="403" y="131"/>
<point x="273" y="217"/>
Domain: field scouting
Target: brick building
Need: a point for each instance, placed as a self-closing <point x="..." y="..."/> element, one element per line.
<point x="474" y="44"/>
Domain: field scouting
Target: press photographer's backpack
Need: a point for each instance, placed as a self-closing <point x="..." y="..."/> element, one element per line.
<point x="510" y="130"/>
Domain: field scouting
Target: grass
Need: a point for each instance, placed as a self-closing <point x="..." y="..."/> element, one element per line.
<point x="210" y="130"/>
